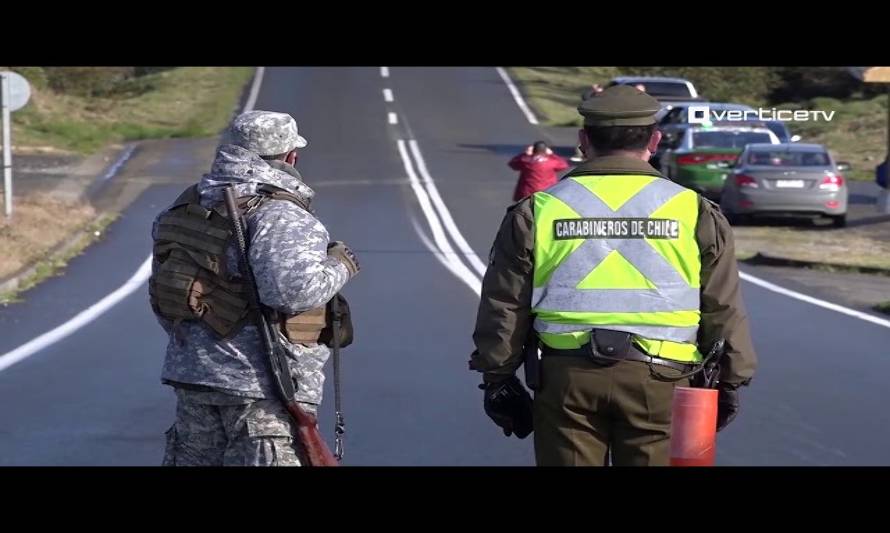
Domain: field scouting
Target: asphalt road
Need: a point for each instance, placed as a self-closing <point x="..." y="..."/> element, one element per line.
<point x="95" y="398"/>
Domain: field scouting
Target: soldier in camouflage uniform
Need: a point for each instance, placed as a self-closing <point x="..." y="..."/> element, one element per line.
<point x="227" y="409"/>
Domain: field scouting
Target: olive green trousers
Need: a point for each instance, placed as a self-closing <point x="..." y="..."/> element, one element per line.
<point x="591" y="415"/>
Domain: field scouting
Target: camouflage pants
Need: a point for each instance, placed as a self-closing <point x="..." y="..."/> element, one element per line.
<point x="214" y="429"/>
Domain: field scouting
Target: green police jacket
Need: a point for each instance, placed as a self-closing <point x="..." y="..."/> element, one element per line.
<point x="506" y="310"/>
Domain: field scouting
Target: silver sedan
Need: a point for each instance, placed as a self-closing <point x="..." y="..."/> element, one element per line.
<point x="786" y="179"/>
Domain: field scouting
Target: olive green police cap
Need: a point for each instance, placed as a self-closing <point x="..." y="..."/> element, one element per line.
<point x="619" y="105"/>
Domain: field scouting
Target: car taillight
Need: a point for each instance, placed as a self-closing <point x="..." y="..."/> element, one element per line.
<point x="745" y="181"/>
<point x="832" y="182"/>
<point x="698" y="159"/>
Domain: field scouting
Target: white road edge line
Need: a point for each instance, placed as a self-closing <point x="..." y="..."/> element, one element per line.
<point x="387" y="95"/>
<point x="745" y="276"/>
<point x="99" y="308"/>
<point x="80" y="320"/>
<point x="112" y="170"/>
<point x="254" y="89"/>
<point x="384" y="72"/>
<point x="815" y="301"/>
<point x="392" y="118"/>
<point x="444" y="252"/>
<point x="517" y="96"/>
<point x="455" y="233"/>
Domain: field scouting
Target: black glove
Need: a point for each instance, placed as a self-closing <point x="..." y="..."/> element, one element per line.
<point x="345" y="255"/>
<point x="727" y="405"/>
<point x="510" y="406"/>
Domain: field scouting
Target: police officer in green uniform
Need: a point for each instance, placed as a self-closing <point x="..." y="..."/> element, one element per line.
<point x="620" y="279"/>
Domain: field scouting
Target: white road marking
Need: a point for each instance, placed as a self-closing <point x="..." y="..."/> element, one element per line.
<point x="455" y="233"/>
<point x="438" y="254"/>
<point x="254" y="89"/>
<point x="447" y="257"/>
<point x="112" y="170"/>
<point x="83" y="318"/>
<point x="392" y="118"/>
<point x="387" y="95"/>
<point x="815" y="301"/>
<point x="517" y="96"/>
<point x="384" y="72"/>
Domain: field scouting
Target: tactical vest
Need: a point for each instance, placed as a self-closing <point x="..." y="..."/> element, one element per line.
<point x="190" y="280"/>
<point x="618" y="252"/>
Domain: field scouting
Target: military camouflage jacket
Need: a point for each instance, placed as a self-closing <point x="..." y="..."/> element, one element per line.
<point x="288" y="254"/>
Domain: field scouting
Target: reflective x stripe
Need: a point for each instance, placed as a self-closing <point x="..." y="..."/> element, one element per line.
<point x="671" y="293"/>
<point x="666" y="333"/>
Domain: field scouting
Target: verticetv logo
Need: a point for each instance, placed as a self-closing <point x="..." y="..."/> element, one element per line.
<point x="702" y="114"/>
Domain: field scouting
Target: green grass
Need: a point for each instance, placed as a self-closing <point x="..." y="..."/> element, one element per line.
<point x="53" y="265"/>
<point x="555" y="92"/>
<point x="883" y="307"/>
<point x="857" y="133"/>
<point x="177" y="102"/>
<point x="181" y="102"/>
<point x="833" y="268"/>
<point x="856" y="265"/>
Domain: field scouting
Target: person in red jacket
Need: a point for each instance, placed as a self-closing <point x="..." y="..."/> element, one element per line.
<point x="537" y="168"/>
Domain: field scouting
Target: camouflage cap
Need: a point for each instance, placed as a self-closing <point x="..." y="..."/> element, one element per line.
<point x="265" y="132"/>
<point x="619" y="105"/>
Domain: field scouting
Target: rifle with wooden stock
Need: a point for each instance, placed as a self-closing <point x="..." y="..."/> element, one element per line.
<point x="315" y="450"/>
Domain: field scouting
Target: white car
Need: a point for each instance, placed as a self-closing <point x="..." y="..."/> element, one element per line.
<point x="661" y="87"/>
<point x="669" y="92"/>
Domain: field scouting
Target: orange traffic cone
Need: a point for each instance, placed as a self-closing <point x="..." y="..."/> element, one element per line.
<point x="694" y="427"/>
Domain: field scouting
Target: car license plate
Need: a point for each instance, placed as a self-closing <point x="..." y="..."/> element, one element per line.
<point x="789" y="184"/>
